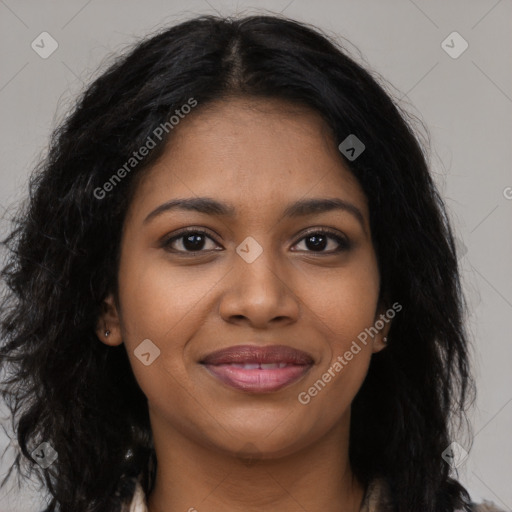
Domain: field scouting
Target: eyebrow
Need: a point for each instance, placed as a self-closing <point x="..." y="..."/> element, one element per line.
<point x="300" y="208"/>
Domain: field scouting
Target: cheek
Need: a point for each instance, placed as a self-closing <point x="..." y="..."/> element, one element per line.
<point x="160" y="301"/>
<point x="343" y="306"/>
<point x="345" y="302"/>
<point x="339" y="376"/>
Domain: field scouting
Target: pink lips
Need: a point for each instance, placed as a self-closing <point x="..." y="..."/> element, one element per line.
<point x="258" y="369"/>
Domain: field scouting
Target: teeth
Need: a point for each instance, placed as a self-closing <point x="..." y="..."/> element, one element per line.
<point x="261" y="366"/>
<point x="248" y="366"/>
<point x="272" y="366"/>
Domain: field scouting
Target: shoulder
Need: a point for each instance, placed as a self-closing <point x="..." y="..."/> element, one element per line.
<point x="137" y="504"/>
<point x="377" y="499"/>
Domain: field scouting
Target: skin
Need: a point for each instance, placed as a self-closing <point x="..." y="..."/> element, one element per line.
<point x="218" y="448"/>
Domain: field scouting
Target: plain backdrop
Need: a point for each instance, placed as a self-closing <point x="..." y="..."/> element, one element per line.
<point x="465" y="100"/>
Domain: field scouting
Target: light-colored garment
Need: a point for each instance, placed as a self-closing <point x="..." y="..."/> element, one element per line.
<point x="139" y="500"/>
<point x="375" y="500"/>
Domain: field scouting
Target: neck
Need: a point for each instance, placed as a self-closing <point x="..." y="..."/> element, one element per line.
<point x="191" y="477"/>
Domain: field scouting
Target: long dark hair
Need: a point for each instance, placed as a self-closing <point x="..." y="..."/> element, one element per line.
<point x="65" y="387"/>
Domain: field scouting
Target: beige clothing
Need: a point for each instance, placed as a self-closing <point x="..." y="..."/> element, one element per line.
<point x="375" y="500"/>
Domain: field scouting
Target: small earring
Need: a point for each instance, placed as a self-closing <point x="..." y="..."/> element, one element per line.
<point x="385" y="339"/>
<point x="107" y="333"/>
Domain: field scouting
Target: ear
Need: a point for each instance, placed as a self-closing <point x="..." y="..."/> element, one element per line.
<point x="382" y="322"/>
<point x="108" y="322"/>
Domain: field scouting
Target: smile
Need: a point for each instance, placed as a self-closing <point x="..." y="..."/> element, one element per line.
<point x="258" y="369"/>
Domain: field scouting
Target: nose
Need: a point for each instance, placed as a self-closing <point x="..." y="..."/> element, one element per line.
<point x="260" y="293"/>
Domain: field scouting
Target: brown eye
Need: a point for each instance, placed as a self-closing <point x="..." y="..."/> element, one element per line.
<point x="192" y="240"/>
<point x="318" y="241"/>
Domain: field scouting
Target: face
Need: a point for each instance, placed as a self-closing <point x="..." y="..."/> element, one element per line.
<point x="237" y="316"/>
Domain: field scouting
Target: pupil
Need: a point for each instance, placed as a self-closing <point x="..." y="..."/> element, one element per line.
<point x="319" y="241"/>
<point x="189" y="244"/>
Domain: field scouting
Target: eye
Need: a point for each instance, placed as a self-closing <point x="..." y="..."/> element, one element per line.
<point x="318" y="240"/>
<point x="188" y="240"/>
<point x="195" y="240"/>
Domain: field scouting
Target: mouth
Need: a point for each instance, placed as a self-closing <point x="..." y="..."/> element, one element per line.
<point x="258" y="369"/>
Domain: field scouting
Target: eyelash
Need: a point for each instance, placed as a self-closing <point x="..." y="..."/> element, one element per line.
<point x="344" y="244"/>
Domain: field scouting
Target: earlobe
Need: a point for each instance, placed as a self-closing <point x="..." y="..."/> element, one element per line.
<point x="108" y="328"/>
<point x="380" y="342"/>
<point x="383" y="323"/>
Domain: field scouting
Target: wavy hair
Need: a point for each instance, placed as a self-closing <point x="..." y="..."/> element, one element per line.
<point x="65" y="387"/>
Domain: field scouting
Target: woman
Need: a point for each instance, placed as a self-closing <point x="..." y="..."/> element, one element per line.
<point x="235" y="287"/>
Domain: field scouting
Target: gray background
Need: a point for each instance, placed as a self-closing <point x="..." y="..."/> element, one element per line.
<point x="466" y="102"/>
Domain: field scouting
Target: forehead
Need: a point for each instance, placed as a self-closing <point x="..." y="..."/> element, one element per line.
<point x="251" y="152"/>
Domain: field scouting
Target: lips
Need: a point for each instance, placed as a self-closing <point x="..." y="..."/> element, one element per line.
<point x="257" y="369"/>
